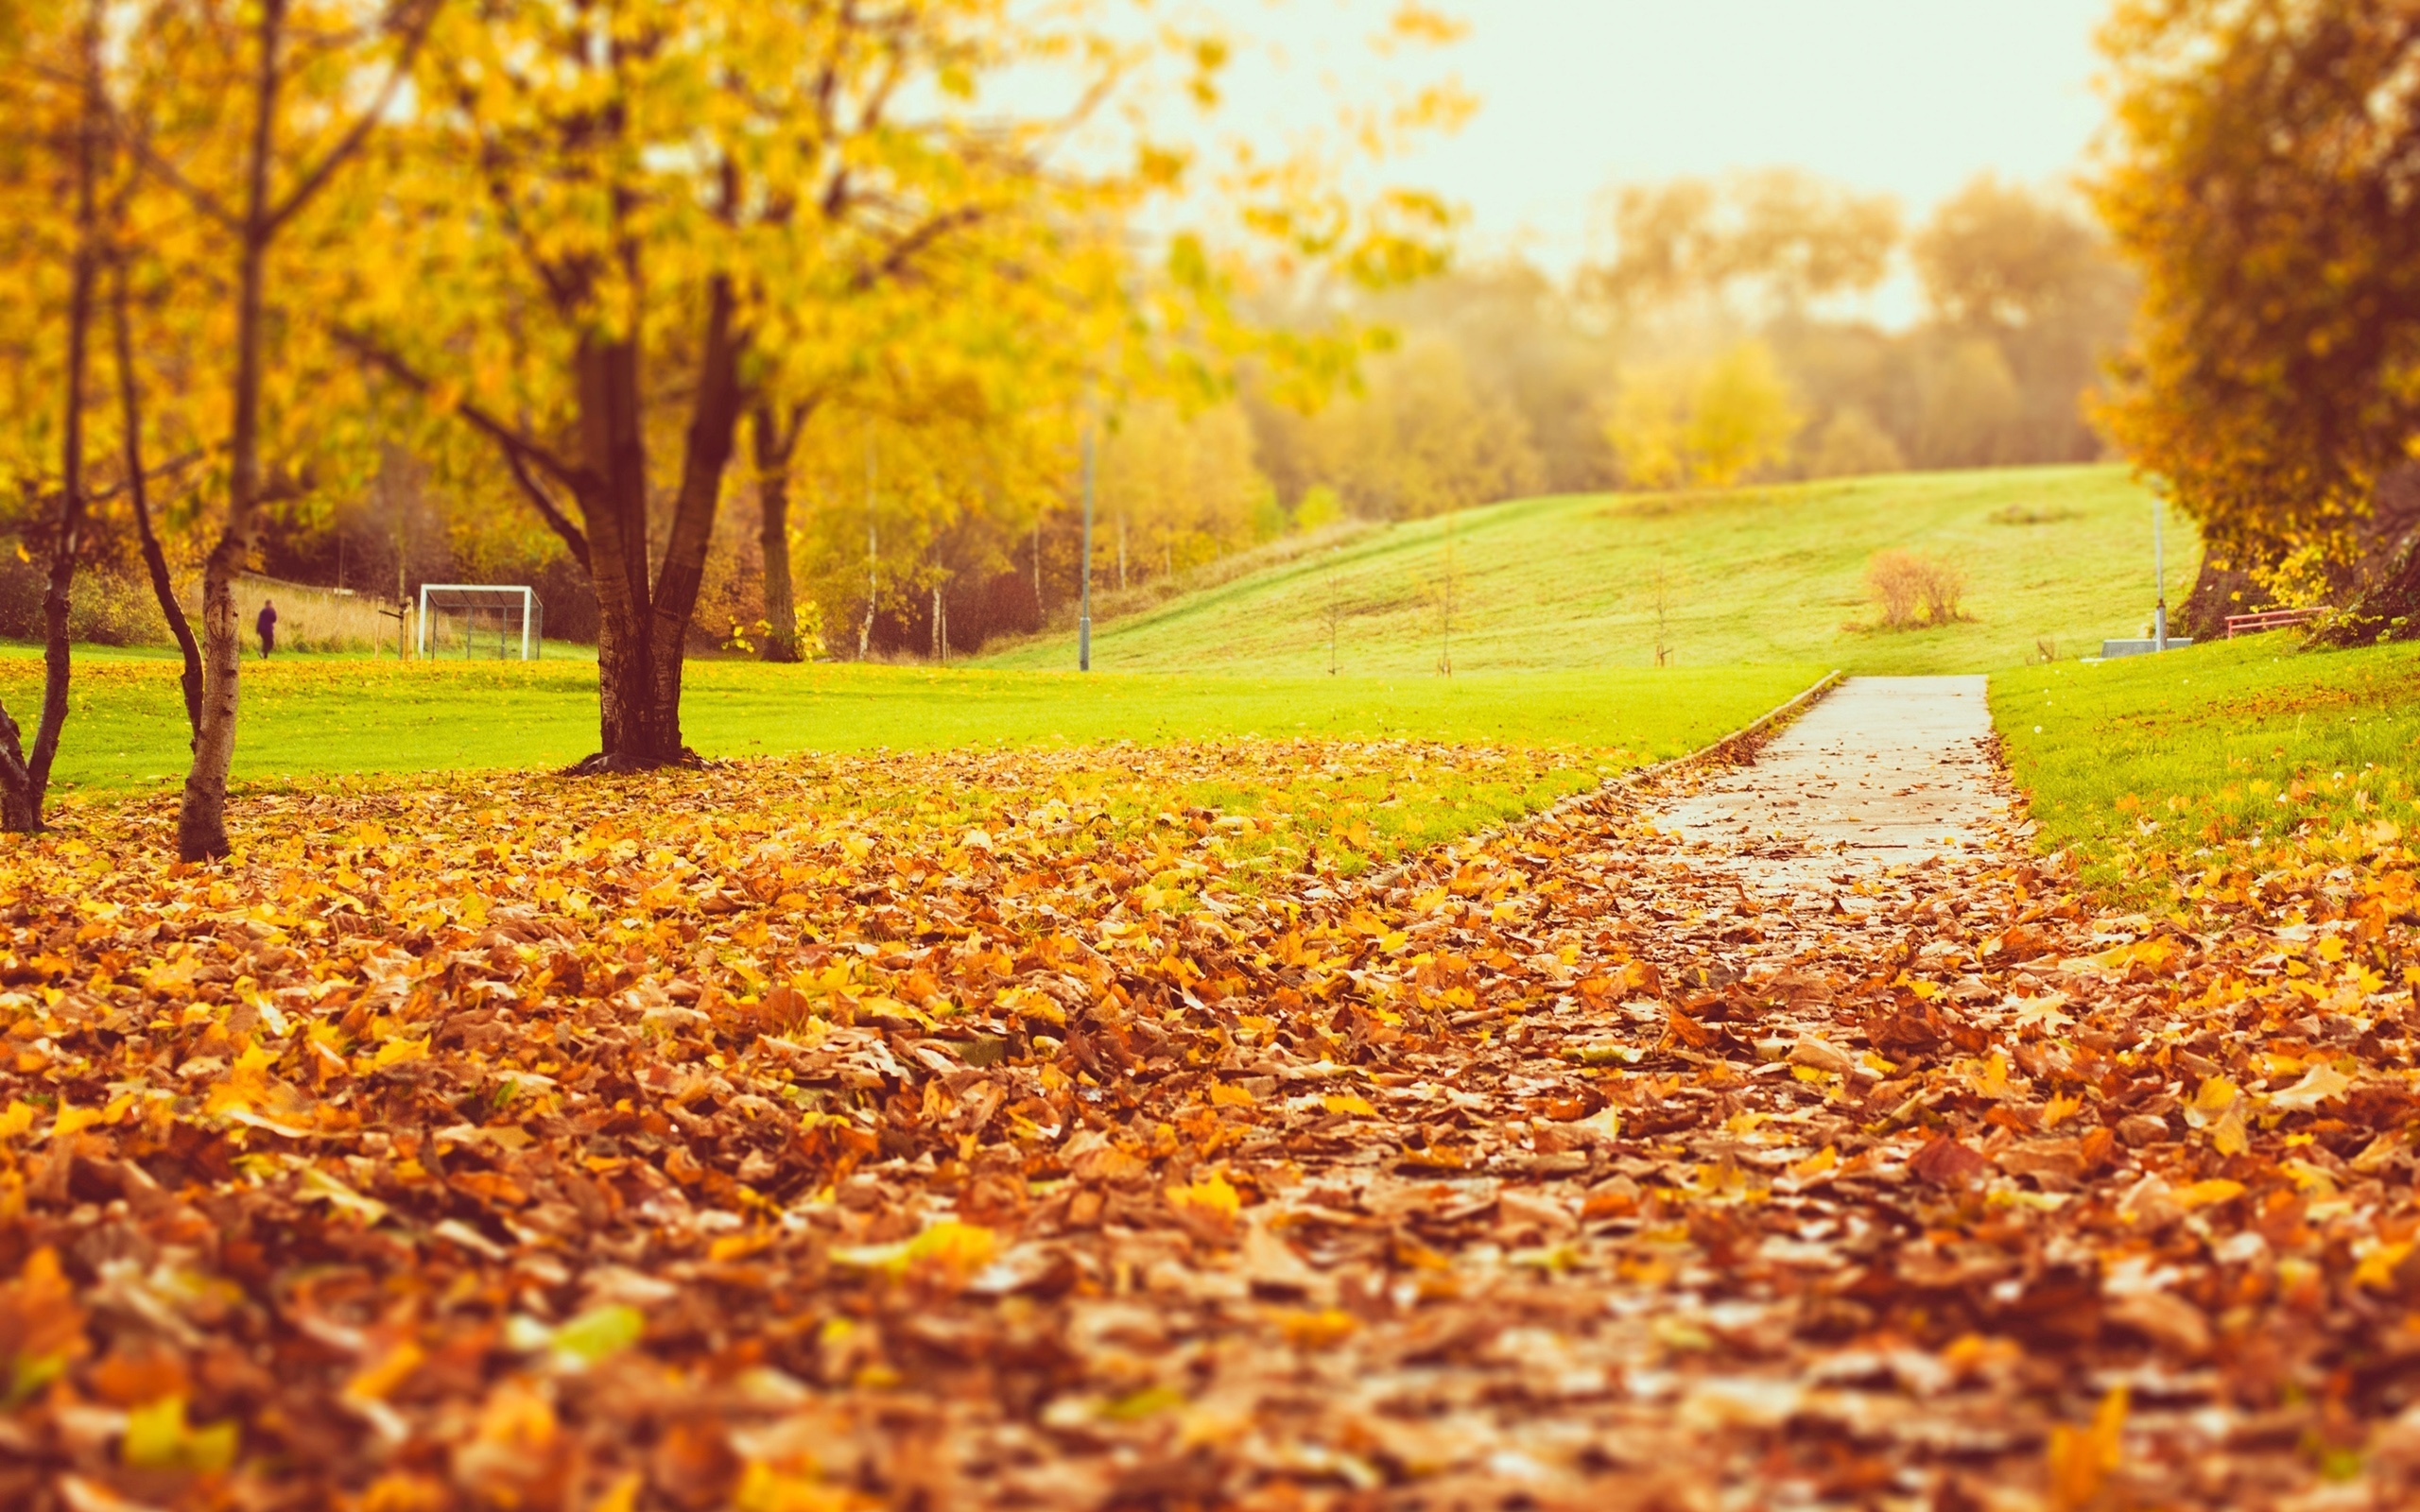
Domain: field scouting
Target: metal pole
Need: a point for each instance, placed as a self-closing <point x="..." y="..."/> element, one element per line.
<point x="423" y="627"/>
<point x="524" y="624"/>
<point x="1085" y="616"/>
<point x="2159" y="568"/>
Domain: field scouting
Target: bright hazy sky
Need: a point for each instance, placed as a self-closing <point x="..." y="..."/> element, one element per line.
<point x="1908" y="96"/>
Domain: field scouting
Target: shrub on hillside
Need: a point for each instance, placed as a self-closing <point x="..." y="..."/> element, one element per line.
<point x="1912" y="590"/>
<point x="107" y="608"/>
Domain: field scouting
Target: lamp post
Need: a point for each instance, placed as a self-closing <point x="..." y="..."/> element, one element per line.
<point x="1085" y="611"/>
<point x="2159" y="565"/>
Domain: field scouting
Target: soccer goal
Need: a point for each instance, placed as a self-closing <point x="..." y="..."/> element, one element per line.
<point x="479" y="616"/>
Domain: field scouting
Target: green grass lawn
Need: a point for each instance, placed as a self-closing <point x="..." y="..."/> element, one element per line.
<point x="2155" y="765"/>
<point x="327" y="715"/>
<point x="2062" y="554"/>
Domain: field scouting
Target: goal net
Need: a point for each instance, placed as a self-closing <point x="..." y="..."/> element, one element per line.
<point x="481" y="619"/>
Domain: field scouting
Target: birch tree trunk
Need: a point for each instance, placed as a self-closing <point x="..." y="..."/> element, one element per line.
<point x="202" y="818"/>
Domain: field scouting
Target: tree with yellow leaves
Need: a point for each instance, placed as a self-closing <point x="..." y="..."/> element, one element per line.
<point x="1703" y="424"/>
<point x="52" y="166"/>
<point x="247" y="116"/>
<point x="2258" y="175"/>
<point x="620" y="230"/>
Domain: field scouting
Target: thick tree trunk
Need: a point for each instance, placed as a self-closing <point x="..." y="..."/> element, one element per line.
<point x="155" y="559"/>
<point x="2390" y="609"/>
<point x="774" y="448"/>
<point x="714" y="434"/>
<point x="201" y="819"/>
<point x="643" y="628"/>
<point x="630" y="732"/>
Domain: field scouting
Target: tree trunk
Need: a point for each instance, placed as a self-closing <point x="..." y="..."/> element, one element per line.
<point x="155" y="560"/>
<point x="874" y="560"/>
<point x="19" y="808"/>
<point x="22" y="810"/>
<point x="774" y="448"/>
<point x="643" y="629"/>
<point x="630" y="733"/>
<point x="714" y="432"/>
<point x="2390" y="609"/>
<point x="201" y="819"/>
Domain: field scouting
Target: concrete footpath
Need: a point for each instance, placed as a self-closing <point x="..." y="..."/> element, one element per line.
<point x="1886" y="771"/>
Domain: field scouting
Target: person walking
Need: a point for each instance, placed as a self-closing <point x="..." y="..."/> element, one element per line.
<point x="267" y="625"/>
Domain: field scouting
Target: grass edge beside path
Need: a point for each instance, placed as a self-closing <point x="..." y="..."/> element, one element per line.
<point x="2153" y="772"/>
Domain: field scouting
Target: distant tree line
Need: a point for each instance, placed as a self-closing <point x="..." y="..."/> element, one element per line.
<point x="1707" y="347"/>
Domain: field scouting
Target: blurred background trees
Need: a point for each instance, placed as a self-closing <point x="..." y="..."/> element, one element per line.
<point x="1716" y="338"/>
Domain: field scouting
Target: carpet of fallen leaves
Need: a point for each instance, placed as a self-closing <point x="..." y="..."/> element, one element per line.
<point x="962" y="1131"/>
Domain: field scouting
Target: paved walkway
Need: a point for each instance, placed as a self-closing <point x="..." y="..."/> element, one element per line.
<point x="1886" y="771"/>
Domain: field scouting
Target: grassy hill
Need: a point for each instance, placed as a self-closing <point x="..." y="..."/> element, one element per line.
<point x="1768" y="575"/>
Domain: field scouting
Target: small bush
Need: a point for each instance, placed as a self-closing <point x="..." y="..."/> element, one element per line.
<point x="1944" y="585"/>
<point x="115" y="609"/>
<point x="2032" y="514"/>
<point x="1912" y="590"/>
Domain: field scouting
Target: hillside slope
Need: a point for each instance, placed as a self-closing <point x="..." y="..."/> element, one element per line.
<point x="2057" y="555"/>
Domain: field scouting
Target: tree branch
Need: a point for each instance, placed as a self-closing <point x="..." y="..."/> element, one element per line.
<point x="515" y="441"/>
<point x="318" y="177"/>
<point x="905" y="250"/>
<point x="169" y="173"/>
<point x="548" y="509"/>
<point x="116" y="490"/>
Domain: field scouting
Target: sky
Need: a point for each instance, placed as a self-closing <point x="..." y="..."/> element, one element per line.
<point x="1908" y="96"/>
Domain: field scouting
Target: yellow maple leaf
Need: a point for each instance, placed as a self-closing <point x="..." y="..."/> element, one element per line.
<point x="246" y="1084"/>
<point x="1307" y="1330"/>
<point x="395" y="1052"/>
<point x="1348" y="1103"/>
<point x="157" y="1437"/>
<point x="2203" y="1194"/>
<point x="2376" y="1269"/>
<point x="1212" y="1196"/>
<point x="1991" y="1078"/>
<point x="2216" y="1096"/>
<point x="385" y="1373"/>
<point x="2082" y="1458"/>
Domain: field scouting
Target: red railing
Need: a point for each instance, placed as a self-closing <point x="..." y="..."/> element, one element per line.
<point x="2270" y="619"/>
